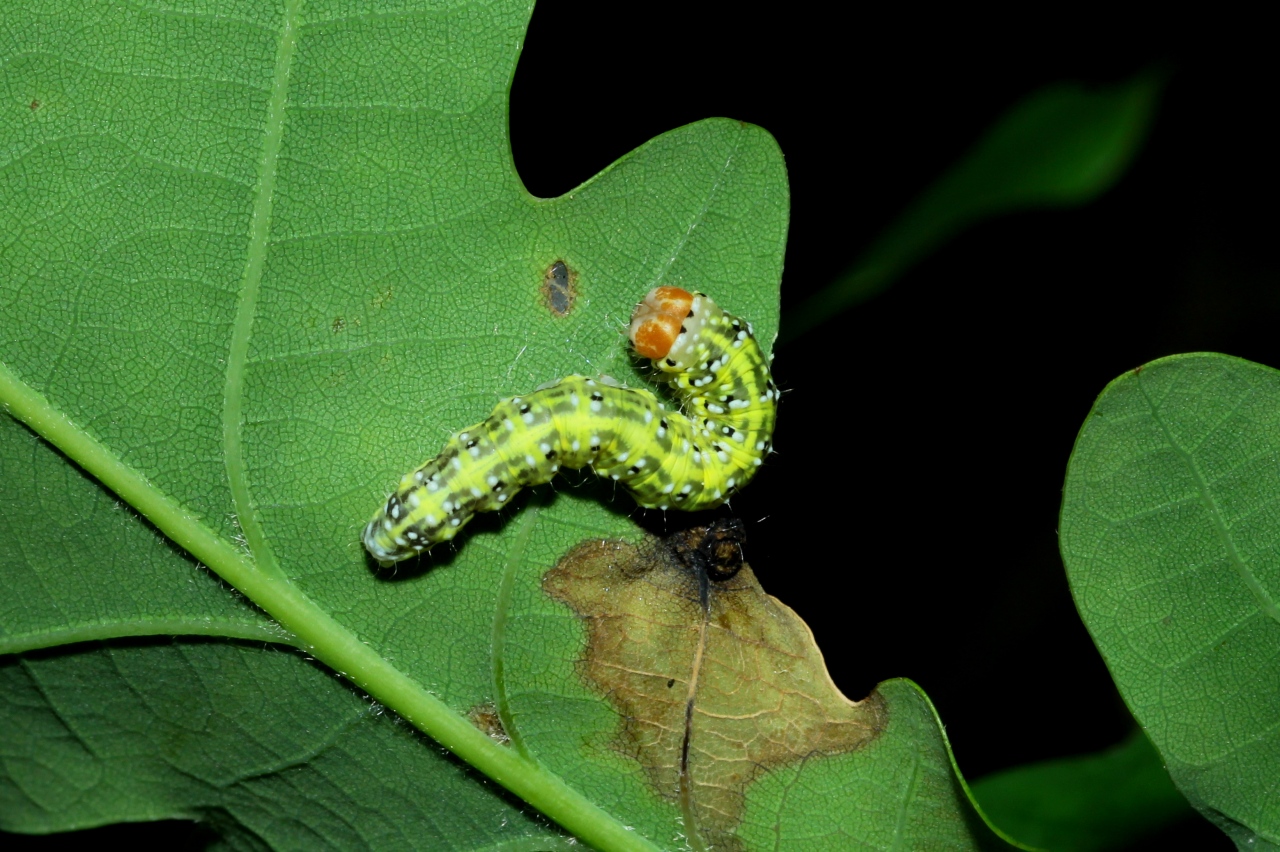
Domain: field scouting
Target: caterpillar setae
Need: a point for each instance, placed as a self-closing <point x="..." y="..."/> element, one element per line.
<point x="693" y="459"/>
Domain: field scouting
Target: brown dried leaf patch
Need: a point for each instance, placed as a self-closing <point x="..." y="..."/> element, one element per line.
<point x="716" y="682"/>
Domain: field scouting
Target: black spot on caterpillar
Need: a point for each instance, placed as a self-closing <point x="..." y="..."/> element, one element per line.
<point x="691" y="459"/>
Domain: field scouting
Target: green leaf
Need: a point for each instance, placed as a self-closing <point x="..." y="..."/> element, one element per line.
<point x="262" y="745"/>
<point x="1085" y="804"/>
<point x="1061" y="147"/>
<point x="1169" y="533"/>
<point x="256" y="264"/>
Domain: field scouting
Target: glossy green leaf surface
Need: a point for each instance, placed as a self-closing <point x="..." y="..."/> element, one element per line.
<point x="1062" y="146"/>
<point x="261" y="744"/>
<point x="1170" y="534"/>
<point x="259" y="261"/>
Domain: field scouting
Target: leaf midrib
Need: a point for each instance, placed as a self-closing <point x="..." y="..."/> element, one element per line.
<point x="1259" y="592"/>
<point x="260" y="578"/>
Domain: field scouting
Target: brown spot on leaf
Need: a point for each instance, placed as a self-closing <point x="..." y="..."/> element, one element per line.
<point x="339" y="324"/>
<point x="485" y="717"/>
<point x="715" y="682"/>
<point x="35" y="105"/>
<point x="559" y="289"/>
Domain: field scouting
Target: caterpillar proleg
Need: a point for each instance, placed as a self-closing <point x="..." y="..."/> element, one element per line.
<point x="691" y="459"/>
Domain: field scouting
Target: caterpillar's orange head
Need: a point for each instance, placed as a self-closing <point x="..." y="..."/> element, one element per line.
<point x="656" y="321"/>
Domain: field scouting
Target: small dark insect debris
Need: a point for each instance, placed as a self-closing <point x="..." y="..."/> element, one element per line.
<point x="671" y="683"/>
<point x="715" y="548"/>
<point x="339" y="323"/>
<point x="560" y="288"/>
<point x="35" y="105"/>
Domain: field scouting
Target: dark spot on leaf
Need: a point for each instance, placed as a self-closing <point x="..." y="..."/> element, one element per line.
<point x="35" y="105"/>
<point x="715" y="548"/>
<point x="339" y="324"/>
<point x="560" y="289"/>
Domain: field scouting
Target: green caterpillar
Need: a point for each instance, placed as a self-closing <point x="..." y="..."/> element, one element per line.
<point x="691" y="460"/>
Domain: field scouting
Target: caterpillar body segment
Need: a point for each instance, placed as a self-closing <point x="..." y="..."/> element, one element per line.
<point x="691" y="459"/>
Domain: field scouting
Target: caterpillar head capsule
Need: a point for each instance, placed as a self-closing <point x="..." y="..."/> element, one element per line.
<point x="664" y="324"/>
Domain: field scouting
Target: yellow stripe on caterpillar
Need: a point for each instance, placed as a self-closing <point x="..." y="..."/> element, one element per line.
<point x="692" y="459"/>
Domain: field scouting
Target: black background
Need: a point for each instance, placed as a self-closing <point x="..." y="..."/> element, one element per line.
<point x="932" y="554"/>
